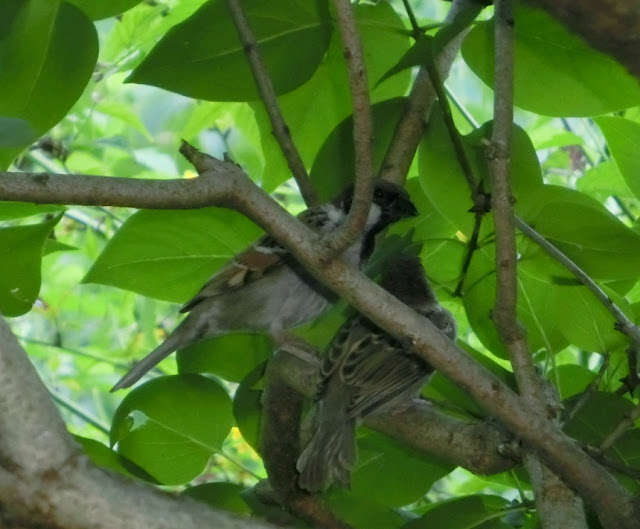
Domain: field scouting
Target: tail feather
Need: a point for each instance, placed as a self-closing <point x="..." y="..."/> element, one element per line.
<point x="328" y="458"/>
<point x="167" y="347"/>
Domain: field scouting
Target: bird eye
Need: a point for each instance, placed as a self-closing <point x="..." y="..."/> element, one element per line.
<point x="378" y="193"/>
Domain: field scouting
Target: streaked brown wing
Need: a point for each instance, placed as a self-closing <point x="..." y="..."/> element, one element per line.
<point x="249" y="265"/>
<point x="253" y="263"/>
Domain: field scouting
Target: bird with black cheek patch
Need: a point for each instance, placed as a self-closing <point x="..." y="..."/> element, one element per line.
<point x="265" y="289"/>
<point x="365" y="370"/>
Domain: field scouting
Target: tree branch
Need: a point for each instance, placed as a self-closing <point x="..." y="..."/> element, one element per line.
<point x="557" y="505"/>
<point x="268" y="96"/>
<point x="362" y="129"/>
<point x="280" y="440"/>
<point x="410" y="128"/>
<point x="46" y="480"/>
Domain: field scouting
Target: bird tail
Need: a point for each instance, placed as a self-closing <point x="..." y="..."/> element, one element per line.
<point x="329" y="457"/>
<point x="167" y="347"/>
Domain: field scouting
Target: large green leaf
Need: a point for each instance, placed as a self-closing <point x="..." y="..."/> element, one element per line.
<point x="15" y="210"/>
<point x="99" y="9"/>
<point x="582" y="228"/>
<point x="170" y="254"/>
<point x="247" y="406"/>
<point x="557" y="73"/>
<point x="408" y="475"/>
<point x="623" y="140"/>
<point x="334" y="166"/>
<point x="48" y="52"/>
<point x="203" y="57"/>
<point x="21" y="250"/>
<point x="384" y="40"/>
<point x="231" y="356"/>
<point x="171" y="426"/>
<point x="363" y="513"/>
<point x="468" y="512"/>
<point x="443" y="180"/>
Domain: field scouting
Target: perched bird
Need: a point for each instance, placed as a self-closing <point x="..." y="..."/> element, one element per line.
<point x="263" y="288"/>
<point x="364" y="370"/>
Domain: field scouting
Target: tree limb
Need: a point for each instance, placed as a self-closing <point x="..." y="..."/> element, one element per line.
<point x="362" y="129"/>
<point x="268" y="96"/>
<point x="45" y="479"/>
<point x="409" y="130"/>
<point x="557" y="505"/>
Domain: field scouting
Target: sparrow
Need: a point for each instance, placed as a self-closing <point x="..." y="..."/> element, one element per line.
<point x="265" y="289"/>
<point x="366" y="370"/>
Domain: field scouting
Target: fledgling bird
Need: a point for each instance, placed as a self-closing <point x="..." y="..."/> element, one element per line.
<point x="264" y="289"/>
<point x="364" y="370"/>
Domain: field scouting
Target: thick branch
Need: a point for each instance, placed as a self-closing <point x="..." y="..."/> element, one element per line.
<point x="280" y="129"/>
<point x="45" y="479"/>
<point x="611" y="26"/>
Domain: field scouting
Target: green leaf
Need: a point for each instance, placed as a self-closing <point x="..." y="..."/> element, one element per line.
<point x="171" y="426"/>
<point x="623" y="140"/>
<point x="470" y="512"/>
<point x="221" y="495"/>
<point x="363" y="513"/>
<point x="16" y="210"/>
<point x="203" y="57"/>
<point x="170" y="254"/>
<point x="99" y="9"/>
<point x="21" y="249"/>
<point x="247" y="406"/>
<point x="16" y="133"/>
<point x="231" y="356"/>
<point x="384" y="40"/>
<point x="408" y="475"/>
<point x="584" y="230"/>
<point x="570" y="379"/>
<point x="604" y="180"/>
<point x="444" y="182"/>
<point x="557" y="73"/>
<point x="334" y="167"/>
<point x="47" y="54"/>
<point x="590" y="425"/>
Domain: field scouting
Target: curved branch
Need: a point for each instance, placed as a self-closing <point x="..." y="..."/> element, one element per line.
<point x="45" y="479"/>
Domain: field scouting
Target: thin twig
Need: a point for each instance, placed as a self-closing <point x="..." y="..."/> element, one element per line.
<point x="626" y="423"/>
<point x="412" y="124"/>
<point x="589" y="390"/>
<point x="280" y="129"/>
<point x="624" y="324"/>
<point x="616" y="466"/>
<point x="79" y="412"/>
<point x="362" y="130"/>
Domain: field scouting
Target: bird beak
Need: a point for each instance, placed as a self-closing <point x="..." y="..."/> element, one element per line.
<point x="407" y="209"/>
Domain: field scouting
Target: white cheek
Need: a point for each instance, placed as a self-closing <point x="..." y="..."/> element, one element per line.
<point x="374" y="215"/>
